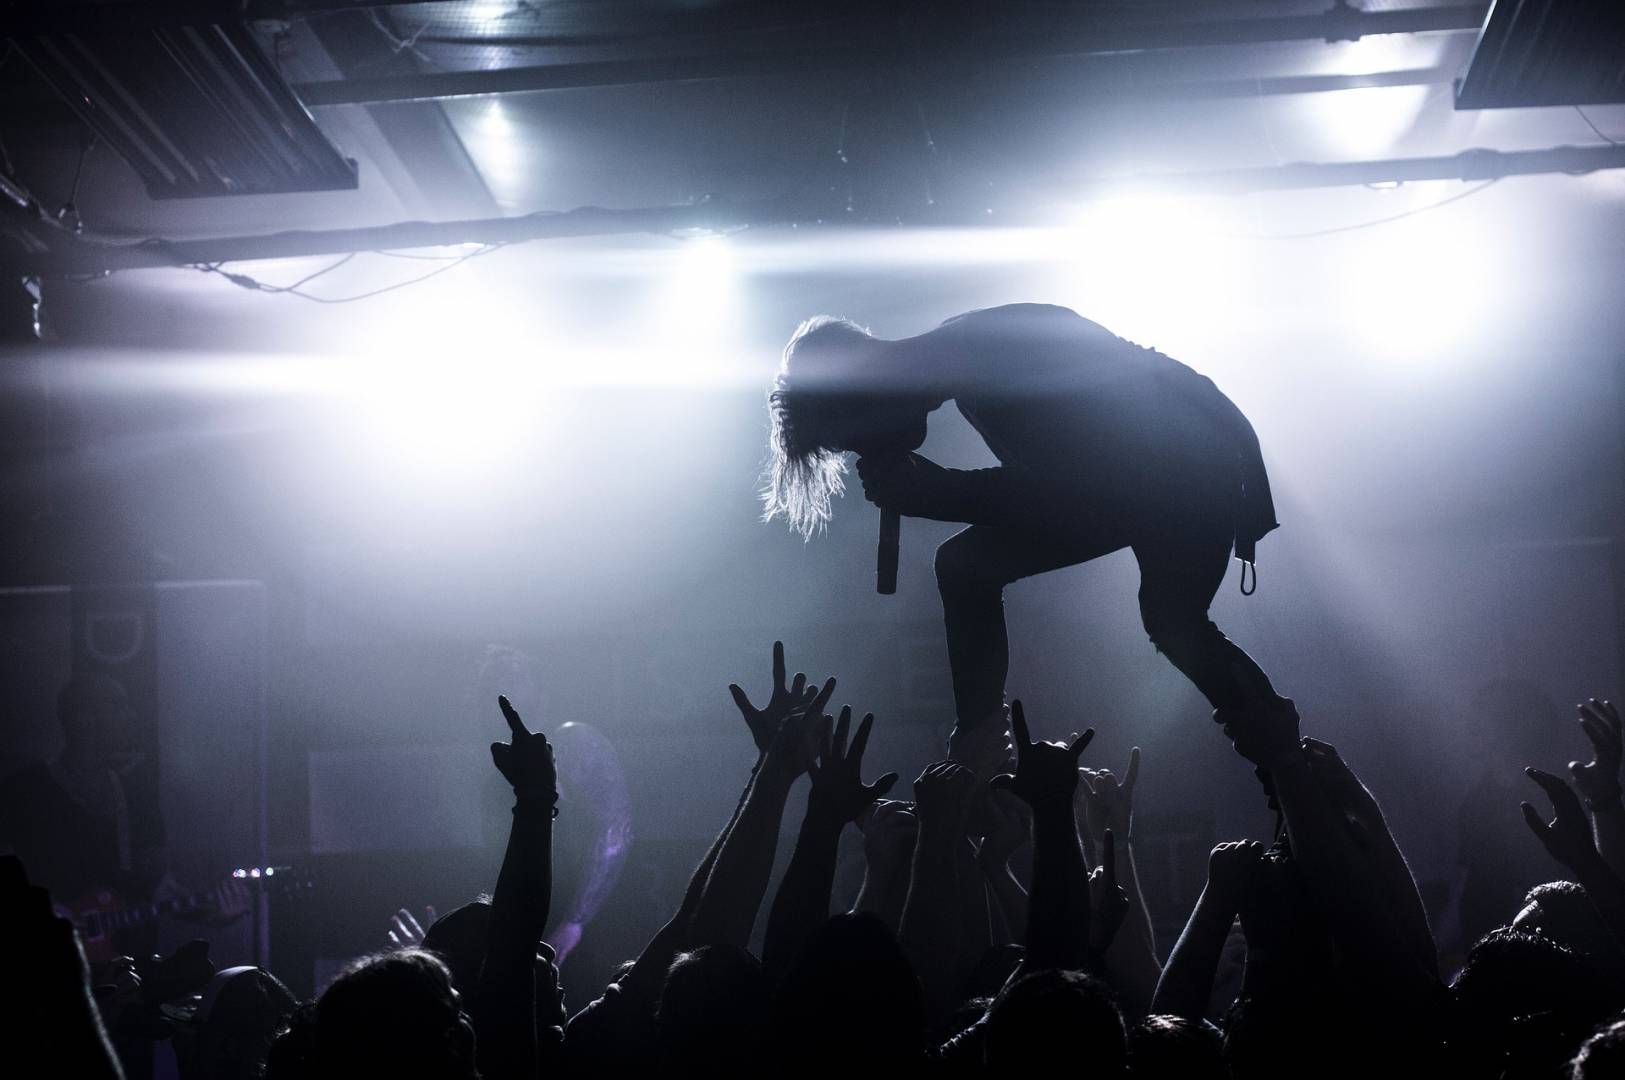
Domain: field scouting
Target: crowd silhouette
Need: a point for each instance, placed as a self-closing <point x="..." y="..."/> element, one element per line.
<point x="998" y="931"/>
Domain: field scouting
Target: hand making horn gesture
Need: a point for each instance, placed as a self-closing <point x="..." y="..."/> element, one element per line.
<point x="1045" y="771"/>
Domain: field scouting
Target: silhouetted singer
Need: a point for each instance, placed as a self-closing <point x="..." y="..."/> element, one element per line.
<point x="1102" y="445"/>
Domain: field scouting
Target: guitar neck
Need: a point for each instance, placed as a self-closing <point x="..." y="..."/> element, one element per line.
<point x="96" y="923"/>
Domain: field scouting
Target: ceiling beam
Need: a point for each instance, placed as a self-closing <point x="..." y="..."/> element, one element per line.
<point x="71" y="254"/>
<point x="28" y="18"/>
<point x="955" y="40"/>
<point x="1467" y="165"/>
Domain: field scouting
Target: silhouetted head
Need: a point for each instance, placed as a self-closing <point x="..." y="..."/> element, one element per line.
<point x="1172" y="1046"/>
<point x="1525" y="1002"/>
<point x="1563" y="912"/>
<point x="713" y="1013"/>
<point x="240" y="1012"/>
<point x="393" y="1015"/>
<point x="836" y="391"/>
<point x="851" y="998"/>
<point x="1602" y="1057"/>
<point x="458" y="939"/>
<point x="1055" y="1016"/>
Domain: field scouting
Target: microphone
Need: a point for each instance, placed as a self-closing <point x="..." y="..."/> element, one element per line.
<point x="891" y="528"/>
<point x="891" y="523"/>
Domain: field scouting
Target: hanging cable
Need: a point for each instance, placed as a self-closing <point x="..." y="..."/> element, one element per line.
<point x="1460" y="195"/>
<point x="1595" y="129"/>
<point x="255" y="285"/>
<point x="71" y="207"/>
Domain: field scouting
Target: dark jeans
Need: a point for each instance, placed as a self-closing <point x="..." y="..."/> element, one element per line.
<point x="1183" y="554"/>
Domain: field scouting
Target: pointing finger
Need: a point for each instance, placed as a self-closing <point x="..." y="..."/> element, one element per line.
<point x="515" y="725"/>
<point x="1018" y="723"/>
<point x="843" y="727"/>
<point x="778" y="664"/>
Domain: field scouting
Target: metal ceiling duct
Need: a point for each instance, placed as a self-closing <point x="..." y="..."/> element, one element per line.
<point x="1547" y="52"/>
<point x="196" y="108"/>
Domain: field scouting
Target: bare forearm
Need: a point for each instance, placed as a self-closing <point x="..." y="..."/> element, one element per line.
<point x="650" y="968"/>
<point x="803" y="900"/>
<point x="1350" y="887"/>
<point x="1131" y="961"/>
<point x="1608" y="830"/>
<point x="975" y="931"/>
<point x="1187" y="978"/>
<point x="733" y="893"/>
<point x="931" y="912"/>
<point x="1058" y="905"/>
<point x="884" y="890"/>
<point x="1008" y="897"/>
<point x="504" y="1011"/>
<point x="1139" y="916"/>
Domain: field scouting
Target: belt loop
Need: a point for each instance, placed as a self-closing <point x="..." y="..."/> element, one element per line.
<point x="1248" y="564"/>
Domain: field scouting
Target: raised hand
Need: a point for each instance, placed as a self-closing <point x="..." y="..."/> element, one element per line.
<point x="1108" y="901"/>
<point x="1567" y="837"/>
<point x="942" y="796"/>
<point x="1010" y="826"/>
<point x="838" y="791"/>
<point x="794" y="748"/>
<point x="1107" y="802"/>
<point x="1231" y="868"/>
<point x="888" y="827"/>
<point x="1045" y="771"/>
<point x="1598" y="779"/>
<point x="526" y="761"/>
<point x="764" y="723"/>
<point x="407" y="932"/>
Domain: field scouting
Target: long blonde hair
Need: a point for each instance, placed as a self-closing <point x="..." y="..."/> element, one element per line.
<point x="803" y="474"/>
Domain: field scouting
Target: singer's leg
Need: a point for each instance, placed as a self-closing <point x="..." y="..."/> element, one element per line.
<point x="1180" y="570"/>
<point x="973" y="567"/>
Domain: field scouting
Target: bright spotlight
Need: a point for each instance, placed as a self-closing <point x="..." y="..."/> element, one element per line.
<point x="489" y="16"/>
<point x="449" y="390"/>
<point x="1154" y="266"/>
<point x="1364" y="122"/>
<point x="1418" y="298"/>
<point x="505" y="155"/>
<point x="696" y="304"/>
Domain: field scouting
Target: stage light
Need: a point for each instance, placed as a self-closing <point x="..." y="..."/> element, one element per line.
<point x="505" y="156"/>
<point x="694" y="322"/>
<point x="1154" y="267"/>
<point x="1365" y="122"/>
<point x="489" y="16"/>
<point x="451" y="389"/>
